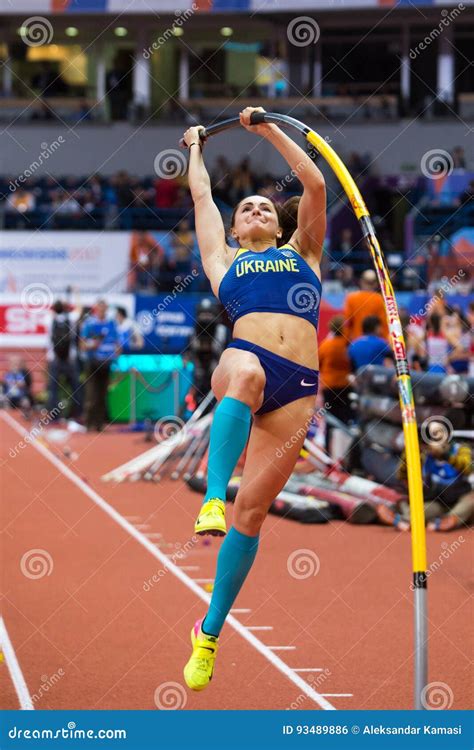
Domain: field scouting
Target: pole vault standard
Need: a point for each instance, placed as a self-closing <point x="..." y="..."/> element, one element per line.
<point x="407" y="404"/>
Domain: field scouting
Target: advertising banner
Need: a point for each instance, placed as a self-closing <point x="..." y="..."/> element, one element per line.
<point x="26" y="326"/>
<point x="95" y="262"/>
<point x="166" y="321"/>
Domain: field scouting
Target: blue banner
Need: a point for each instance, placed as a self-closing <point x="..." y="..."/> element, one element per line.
<point x="166" y="320"/>
<point x="237" y="730"/>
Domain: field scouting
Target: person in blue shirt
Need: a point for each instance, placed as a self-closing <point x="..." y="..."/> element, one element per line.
<point x="100" y="342"/>
<point x="370" y="348"/>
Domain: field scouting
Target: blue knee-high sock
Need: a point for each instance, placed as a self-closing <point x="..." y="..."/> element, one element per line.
<point x="229" y="433"/>
<point x="234" y="561"/>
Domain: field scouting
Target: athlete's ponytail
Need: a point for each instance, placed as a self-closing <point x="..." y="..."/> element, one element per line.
<point x="288" y="215"/>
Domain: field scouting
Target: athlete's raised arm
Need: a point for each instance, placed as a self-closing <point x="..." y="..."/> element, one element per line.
<point x="309" y="235"/>
<point x="210" y="230"/>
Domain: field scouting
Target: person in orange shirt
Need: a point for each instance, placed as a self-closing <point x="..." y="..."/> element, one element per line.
<point x="334" y="371"/>
<point x="367" y="301"/>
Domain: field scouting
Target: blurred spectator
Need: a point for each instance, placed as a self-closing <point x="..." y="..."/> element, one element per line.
<point x="124" y="198"/>
<point x="414" y="341"/>
<point x="65" y="204"/>
<point x="184" y="235"/>
<point x="437" y="346"/>
<point x="370" y="348"/>
<point x="101" y="342"/>
<point x="166" y="192"/>
<point x="334" y="370"/>
<point x="131" y="339"/>
<point x="459" y="158"/>
<point x="146" y="258"/>
<point x="243" y="182"/>
<point x="61" y="356"/>
<point x="459" y="355"/>
<point x="345" y="275"/>
<point x="221" y="179"/>
<point x="467" y="197"/>
<point x="21" y="200"/>
<point x="363" y="303"/>
<point x="16" y="386"/>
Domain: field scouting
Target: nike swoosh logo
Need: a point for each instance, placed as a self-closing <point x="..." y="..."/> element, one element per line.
<point x="309" y="384"/>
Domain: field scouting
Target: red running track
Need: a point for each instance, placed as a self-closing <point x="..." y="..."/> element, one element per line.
<point x="100" y="623"/>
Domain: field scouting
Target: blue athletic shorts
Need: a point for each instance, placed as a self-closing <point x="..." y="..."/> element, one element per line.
<point x="286" y="380"/>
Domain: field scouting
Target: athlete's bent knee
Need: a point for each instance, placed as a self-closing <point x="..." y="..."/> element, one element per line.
<point x="247" y="382"/>
<point x="249" y="520"/>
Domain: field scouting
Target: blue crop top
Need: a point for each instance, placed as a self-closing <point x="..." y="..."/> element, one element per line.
<point x="275" y="280"/>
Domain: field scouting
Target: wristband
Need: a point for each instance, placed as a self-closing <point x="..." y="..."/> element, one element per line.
<point x="195" y="143"/>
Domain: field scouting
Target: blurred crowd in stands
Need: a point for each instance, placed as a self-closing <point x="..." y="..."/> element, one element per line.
<point x="148" y="204"/>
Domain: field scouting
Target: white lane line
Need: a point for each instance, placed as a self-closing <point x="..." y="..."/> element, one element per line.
<point x="188" y="567"/>
<point x="142" y="526"/>
<point x="308" y="669"/>
<point x="14" y="668"/>
<point x="153" y="534"/>
<point x="133" y="519"/>
<point x="264" y="650"/>
<point x="259" y="627"/>
<point x="202" y="580"/>
<point x="282" y="648"/>
<point x="240" y="611"/>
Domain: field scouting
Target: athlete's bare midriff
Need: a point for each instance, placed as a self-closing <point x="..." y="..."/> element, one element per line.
<point x="286" y="335"/>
